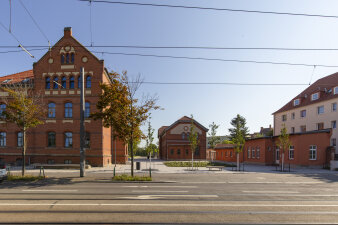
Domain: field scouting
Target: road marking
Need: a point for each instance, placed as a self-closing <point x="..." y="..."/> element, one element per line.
<point x="160" y="191"/>
<point x="273" y="192"/>
<point x="254" y="182"/>
<point x="160" y="186"/>
<point x="159" y="204"/>
<point x="48" y="190"/>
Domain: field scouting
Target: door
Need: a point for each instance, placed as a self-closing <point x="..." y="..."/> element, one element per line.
<point x="277" y="156"/>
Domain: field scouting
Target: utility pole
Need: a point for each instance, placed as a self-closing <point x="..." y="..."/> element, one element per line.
<point x="82" y="128"/>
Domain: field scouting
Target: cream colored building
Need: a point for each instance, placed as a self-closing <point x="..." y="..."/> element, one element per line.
<point x="313" y="109"/>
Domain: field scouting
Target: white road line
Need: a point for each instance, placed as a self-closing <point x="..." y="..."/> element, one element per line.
<point x="160" y="186"/>
<point x="273" y="192"/>
<point x="160" y="191"/>
<point x="254" y="182"/>
<point x="48" y="190"/>
<point x="161" y="205"/>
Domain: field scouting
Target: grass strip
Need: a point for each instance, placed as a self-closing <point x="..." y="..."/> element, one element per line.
<point x="24" y="178"/>
<point x="196" y="164"/>
<point x="125" y="177"/>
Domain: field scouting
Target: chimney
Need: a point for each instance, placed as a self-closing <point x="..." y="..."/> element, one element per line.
<point x="67" y="32"/>
<point x="270" y="126"/>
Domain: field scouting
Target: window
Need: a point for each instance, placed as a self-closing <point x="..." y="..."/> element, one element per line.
<point x="88" y="82"/>
<point x="226" y="153"/>
<point x="62" y="59"/>
<point x="320" y="126"/>
<point x="51" y="139"/>
<point x="253" y="153"/>
<point x="258" y="153"/>
<point x="68" y="139"/>
<point x="178" y="151"/>
<point x="334" y="124"/>
<point x="283" y="117"/>
<point x="172" y="151"/>
<point x="335" y="90"/>
<point x="19" y="139"/>
<point x="320" y="109"/>
<point x="87" y="140"/>
<point x="51" y="110"/>
<point x="303" y="113"/>
<point x="87" y="110"/>
<point x="249" y="155"/>
<point x="64" y="82"/>
<point x="334" y="107"/>
<point x="333" y="142"/>
<point x="47" y="83"/>
<point x="313" y="152"/>
<point x="55" y="83"/>
<point x="296" y="102"/>
<point x="197" y="150"/>
<point x="2" y="139"/>
<point x="2" y="109"/>
<point x="186" y="151"/>
<point x="71" y="82"/>
<point x="314" y="96"/>
<point x="50" y="161"/>
<point x="293" y="116"/>
<point x="292" y="130"/>
<point x="230" y="153"/>
<point x="183" y="135"/>
<point x="68" y="110"/>
<point x="277" y="153"/>
<point x="67" y="58"/>
<point x="68" y="161"/>
<point x="291" y="152"/>
<point x="72" y="57"/>
<point x="79" y="82"/>
<point x="303" y="128"/>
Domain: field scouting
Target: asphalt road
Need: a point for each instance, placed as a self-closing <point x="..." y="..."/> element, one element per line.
<point x="251" y="198"/>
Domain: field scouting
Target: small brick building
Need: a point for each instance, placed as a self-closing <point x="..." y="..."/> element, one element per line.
<point x="174" y="143"/>
<point x="56" y="77"/>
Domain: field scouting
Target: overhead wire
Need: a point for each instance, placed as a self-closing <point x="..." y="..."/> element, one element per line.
<point x="212" y="8"/>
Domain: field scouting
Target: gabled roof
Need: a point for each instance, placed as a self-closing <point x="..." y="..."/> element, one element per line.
<point x="324" y="86"/>
<point x="184" y="119"/>
<point x="17" y="77"/>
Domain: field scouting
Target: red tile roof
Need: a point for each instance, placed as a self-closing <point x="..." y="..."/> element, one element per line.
<point x="324" y="86"/>
<point x="224" y="146"/>
<point x="17" y="77"/>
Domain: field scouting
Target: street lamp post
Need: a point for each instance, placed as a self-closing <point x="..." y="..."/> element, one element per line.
<point x="82" y="127"/>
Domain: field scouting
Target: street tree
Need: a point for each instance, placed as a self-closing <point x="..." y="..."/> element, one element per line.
<point x="194" y="140"/>
<point x="213" y="139"/>
<point x="120" y="109"/>
<point x="283" y="142"/>
<point x="238" y="134"/>
<point x="23" y="108"/>
<point x="150" y="147"/>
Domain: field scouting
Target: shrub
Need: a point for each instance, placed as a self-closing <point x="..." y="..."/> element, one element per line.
<point x="197" y="164"/>
<point x="24" y="178"/>
<point x="125" y="177"/>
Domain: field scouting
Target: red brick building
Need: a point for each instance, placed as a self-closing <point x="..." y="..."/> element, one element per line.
<point x="56" y="77"/>
<point x="174" y="143"/>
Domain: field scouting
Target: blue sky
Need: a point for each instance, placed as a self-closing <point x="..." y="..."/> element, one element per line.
<point x="136" y="25"/>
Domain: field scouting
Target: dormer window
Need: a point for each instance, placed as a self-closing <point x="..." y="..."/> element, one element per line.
<point x="335" y="90"/>
<point x="296" y="102"/>
<point x="314" y="96"/>
<point x="6" y="81"/>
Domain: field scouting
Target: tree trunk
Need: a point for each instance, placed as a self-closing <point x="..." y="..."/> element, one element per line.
<point x="237" y="155"/>
<point x="24" y="153"/>
<point x="150" y="165"/>
<point x="192" y="159"/>
<point x="283" y="161"/>
<point x="132" y="157"/>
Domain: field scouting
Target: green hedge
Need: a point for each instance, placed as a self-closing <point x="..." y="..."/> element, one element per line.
<point x="24" y="178"/>
<point x="125" y="177"/>
<point x="196" y="164"/>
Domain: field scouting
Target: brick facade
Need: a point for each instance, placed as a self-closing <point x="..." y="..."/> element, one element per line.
<point x="101" y="149"/>
<point x="174" y="143"/>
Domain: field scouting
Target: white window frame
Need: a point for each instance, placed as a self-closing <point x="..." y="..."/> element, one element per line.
<point x="332" y="107"/>
<point x="319" y="108"/>
<point x="334" y="124"/>
<point x="284" y="116"/>
<point x="258" y="153"/>
<point x="293" y="130"/>
<point x="313" y="98"/>
<point x="334" y="142"/>
<point x="293" y="115"/>
<point x="3" y="139"/>
<point x="296" y="102"/>
<point x="301" y="115"/>
<point x="249" y="153"/>
<point x="335" y="90"/>
<point x="292" y="149"/>
<point x="253" y="153"/>
<point x="313" y="152"/>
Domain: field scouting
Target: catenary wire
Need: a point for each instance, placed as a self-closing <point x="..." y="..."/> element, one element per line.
<point x="212" y="8"/>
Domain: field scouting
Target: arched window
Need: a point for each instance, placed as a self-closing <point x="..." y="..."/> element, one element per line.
<point x="2" y="108"/>
<point x="71" y="82"/>
<point x="51" y="139"/>
<point x="62" y="59"/>
<point x="88" y="82"/>
<point x="87" y="140"/>
<point x="72" y="56"/>
<point x="68" y="110"/>
<point x="64" y="82"/>
<point x="79" y="82"/>
<point x="183" y="135"/>
<point x="20" y="139"/>
<point x="67" y="58"/>
<point x="47" y="82"/>
<point x="87" y="110"/>
<point x="68" y="139"/>
<point x="51" y="110"/>
<point x="55" y="83"/>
